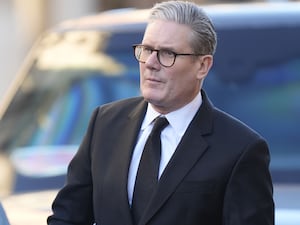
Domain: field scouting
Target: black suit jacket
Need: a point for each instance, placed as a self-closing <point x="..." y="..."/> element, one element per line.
<point x="218" y="174"/>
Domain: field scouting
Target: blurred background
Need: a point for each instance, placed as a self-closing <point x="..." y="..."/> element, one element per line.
<point x="22" y="21"/>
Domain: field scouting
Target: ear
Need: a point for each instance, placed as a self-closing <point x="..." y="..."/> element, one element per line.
<point x="205" y="63"/>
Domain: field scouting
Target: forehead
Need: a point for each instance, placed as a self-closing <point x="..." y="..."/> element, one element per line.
<point x="166" y="33"/>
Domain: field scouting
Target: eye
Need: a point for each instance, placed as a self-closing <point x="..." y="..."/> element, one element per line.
<point x="167" y="53"/>
<point x="147" y="50"/>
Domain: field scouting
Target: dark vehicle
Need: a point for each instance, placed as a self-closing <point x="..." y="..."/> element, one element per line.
<point x="83" y="63"/>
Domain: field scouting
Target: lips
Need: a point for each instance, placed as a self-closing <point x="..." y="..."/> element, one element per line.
<point x="152" y="78"/>
<point x="153" y="81"/>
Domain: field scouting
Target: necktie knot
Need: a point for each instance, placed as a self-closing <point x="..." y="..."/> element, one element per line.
<point x="159" y="124"/>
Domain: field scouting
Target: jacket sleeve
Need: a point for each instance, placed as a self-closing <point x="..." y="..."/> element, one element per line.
<point x="249" y="194"/>
<point x="73" y="203"/>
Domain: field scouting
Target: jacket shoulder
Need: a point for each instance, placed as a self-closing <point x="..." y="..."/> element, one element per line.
<point x="123" y="105"/>
<point x="121" y="108"/>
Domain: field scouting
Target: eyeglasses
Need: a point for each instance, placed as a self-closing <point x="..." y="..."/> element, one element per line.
<point x="165" y="57"/>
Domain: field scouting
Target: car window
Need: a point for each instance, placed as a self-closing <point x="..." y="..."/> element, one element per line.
<point x="55" y="101"/>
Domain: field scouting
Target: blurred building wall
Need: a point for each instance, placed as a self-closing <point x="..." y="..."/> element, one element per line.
<point x="8" y="45"/>
<point x="21" y="21"/>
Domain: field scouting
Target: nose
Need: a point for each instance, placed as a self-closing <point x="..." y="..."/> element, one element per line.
<point x="152" y="60"/>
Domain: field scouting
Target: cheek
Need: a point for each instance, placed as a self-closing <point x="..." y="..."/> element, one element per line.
<point x="184" y="83"/>
<point x="142" y="69"/>
<point x="180" y="80"/>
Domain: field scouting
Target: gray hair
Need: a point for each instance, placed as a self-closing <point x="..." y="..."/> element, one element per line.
<point x="203" y="36"/>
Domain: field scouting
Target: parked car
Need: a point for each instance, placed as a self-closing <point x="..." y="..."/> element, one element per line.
<point x="83" y="63"/>
<point x="3" y="217"/>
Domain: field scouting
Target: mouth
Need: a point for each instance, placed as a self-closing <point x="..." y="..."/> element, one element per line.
<point x="153" y="80"/>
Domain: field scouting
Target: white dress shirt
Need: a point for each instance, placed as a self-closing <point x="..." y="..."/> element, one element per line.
<point x="170" y="137"/>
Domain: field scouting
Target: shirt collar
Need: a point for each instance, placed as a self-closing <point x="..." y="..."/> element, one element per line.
<point x="151" y="114"/>
<point x="175" y="118"/>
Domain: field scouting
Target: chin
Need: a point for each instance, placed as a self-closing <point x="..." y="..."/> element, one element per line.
<point x="151" y="99"/>
<point x="150" y="95"/>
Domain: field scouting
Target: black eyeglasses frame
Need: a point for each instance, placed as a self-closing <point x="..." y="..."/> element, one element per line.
<point x="158" y="54"/>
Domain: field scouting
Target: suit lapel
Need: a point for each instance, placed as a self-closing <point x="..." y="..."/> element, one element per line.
<point x="187" y="154"/>
<point x="119" y="170"/>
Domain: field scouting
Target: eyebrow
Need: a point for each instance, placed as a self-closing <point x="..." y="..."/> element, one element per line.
<point x="161" y="48"/>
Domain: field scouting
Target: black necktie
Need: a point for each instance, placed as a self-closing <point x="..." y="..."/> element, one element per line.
<point x="147" y="175"/>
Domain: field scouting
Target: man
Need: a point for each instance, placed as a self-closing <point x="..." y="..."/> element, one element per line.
<point x="213" y="169"/>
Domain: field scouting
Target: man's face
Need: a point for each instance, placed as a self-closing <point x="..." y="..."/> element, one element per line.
<point x="169" y="88"/>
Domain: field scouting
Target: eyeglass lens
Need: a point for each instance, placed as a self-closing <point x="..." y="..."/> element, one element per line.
<point x="165" y="57"/>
